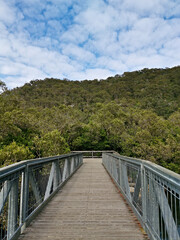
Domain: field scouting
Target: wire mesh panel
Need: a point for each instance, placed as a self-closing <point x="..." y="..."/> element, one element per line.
<point x="25" y="186"/>
<point x="152" y="191"/>
<point x="134" y="182"/>
<point x="10" y="192"/>
<point x="38" y="179"/>
<point x="163" y="213"/>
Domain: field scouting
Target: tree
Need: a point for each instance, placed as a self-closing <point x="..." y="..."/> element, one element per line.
<point x="135" y="114"/>
<point x="49" y="144"/>
<point x="13" y="153"/>
<point x="2" y="86"/>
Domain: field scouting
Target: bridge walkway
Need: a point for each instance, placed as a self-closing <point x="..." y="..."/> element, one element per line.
<point x="88" y="207"/>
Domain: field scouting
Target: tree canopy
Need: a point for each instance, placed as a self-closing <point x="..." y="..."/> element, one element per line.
<point x="136" y="114"/>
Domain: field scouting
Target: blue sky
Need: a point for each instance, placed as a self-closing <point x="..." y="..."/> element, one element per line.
<point x="86" y="39"/>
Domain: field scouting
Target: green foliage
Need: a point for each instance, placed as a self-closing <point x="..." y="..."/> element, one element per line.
<point x="136" y="114"/>
<point x="16" y="126"/>
<point x="157" y="89"/>
<point x="50" y="144"/>
<point x="13" y="153"/>
<point x="2" y="86"/>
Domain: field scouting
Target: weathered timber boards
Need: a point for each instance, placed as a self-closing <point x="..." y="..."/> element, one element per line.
<point x="89" y="207"/>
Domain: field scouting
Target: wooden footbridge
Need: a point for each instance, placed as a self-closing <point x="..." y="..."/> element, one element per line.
<point x="102" y="197"/>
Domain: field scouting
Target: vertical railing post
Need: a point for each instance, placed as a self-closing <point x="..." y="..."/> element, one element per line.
<point x="117" y="171"/>
<point x="24" y="195"/>
<point x="143" y="193"/>
<point x="57" y="175"/>
<point x="75" y="162"/>
<point x="69" y="166"/>
<point x="154" y="206"/>
<point x="12" y="208"/>
<point x="125" y="180"/>
<point x="81" y="158"/>
<point x="78" y="160"/>
<point x="72" y="165"/>
<point x="64" y="175"/>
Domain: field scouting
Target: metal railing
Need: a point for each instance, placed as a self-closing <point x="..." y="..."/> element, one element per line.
<point x="25" y="187"/>
<point x="94" y="153"/>
<point x="152" y="191"/>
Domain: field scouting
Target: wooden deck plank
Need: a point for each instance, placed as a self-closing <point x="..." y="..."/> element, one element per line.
<point x="88" y="207"/>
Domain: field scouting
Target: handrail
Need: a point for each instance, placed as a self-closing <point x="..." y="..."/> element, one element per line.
<point x="19" y="165"/>
<point x="152" y="191"/>
<point x="27" y="186"/>
<point x="164" y="172"/>
<point x="95" y="153"/>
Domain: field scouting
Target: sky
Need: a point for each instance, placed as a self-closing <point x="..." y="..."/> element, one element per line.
<point x="86" y="39"/>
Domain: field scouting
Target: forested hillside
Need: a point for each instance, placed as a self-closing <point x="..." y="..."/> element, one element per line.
<point x="136" y="114"/>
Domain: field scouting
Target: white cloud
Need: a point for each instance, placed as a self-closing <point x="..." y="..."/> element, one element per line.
<point x="54" y="26"/>
<point x="115" y="65"/>
<point x="19" y="69"/>
<point x="18" y="73"/>
<point x="91" y="74"/>
<point x="147" y="8"/>
<point x="86" y="39"/>
<point x="78" y="53"/>
<point x="76" y="34"/>
<point x="7" y="14"/>
<point x="52" y="11"/>
<point x="171" y="50"/>
<point x="5" y="47"/>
